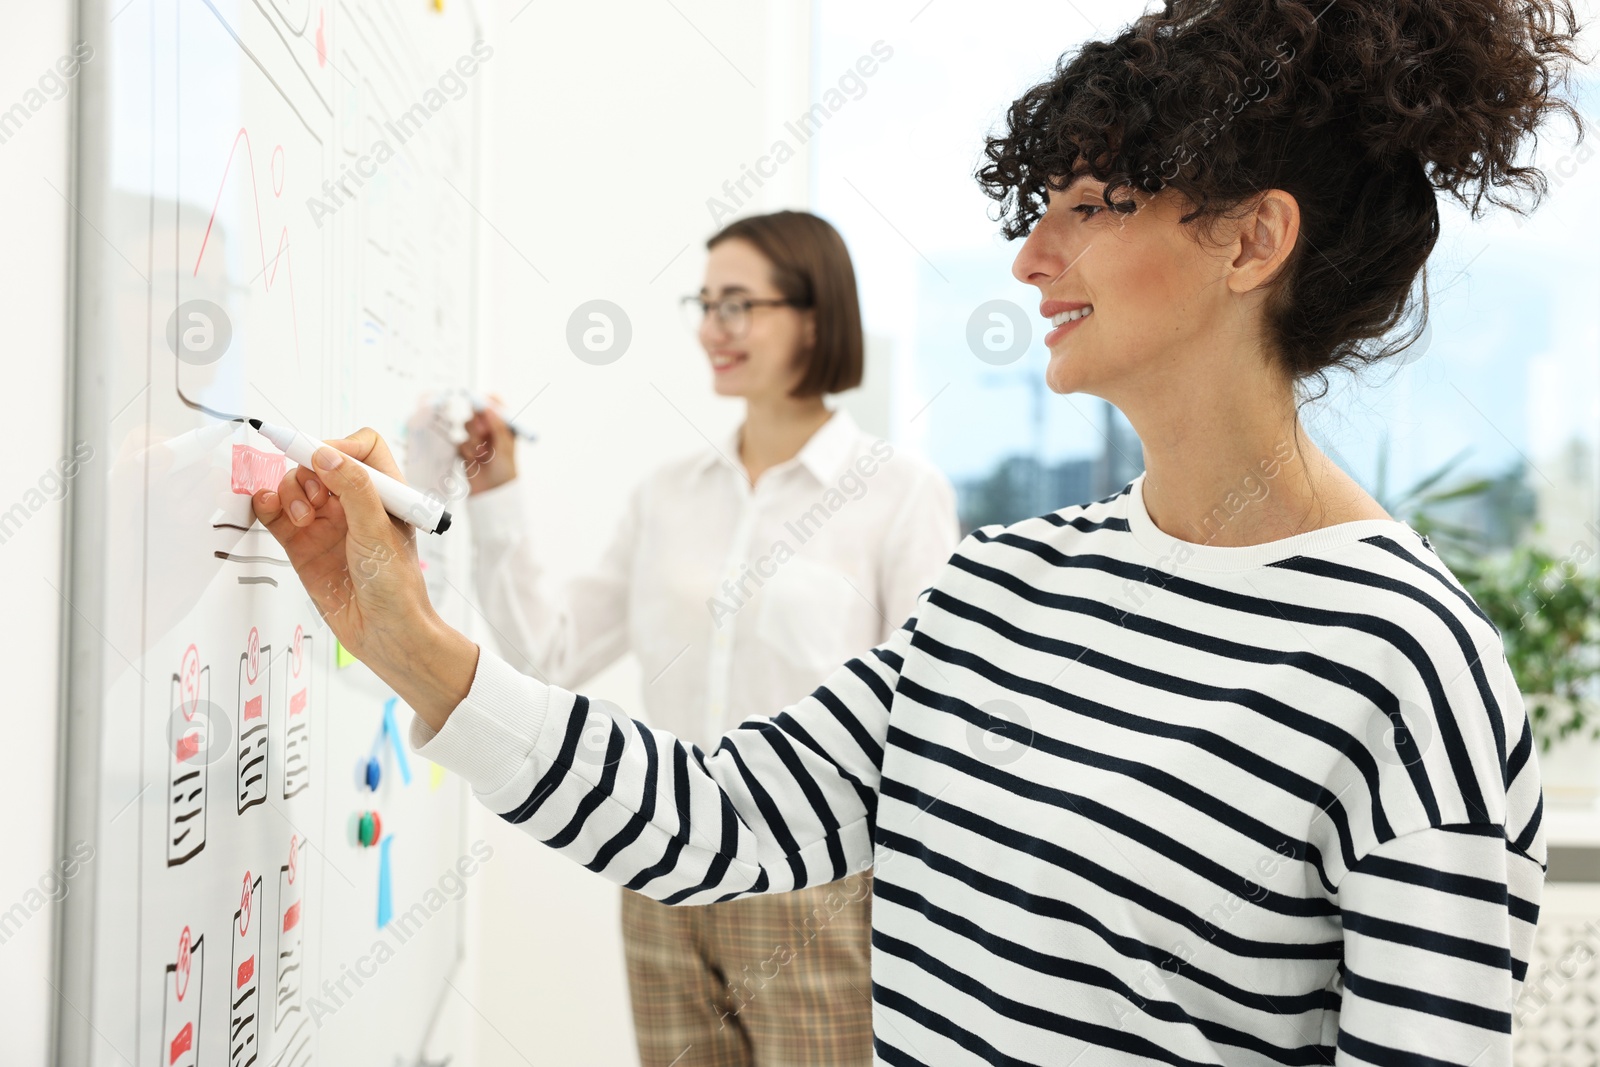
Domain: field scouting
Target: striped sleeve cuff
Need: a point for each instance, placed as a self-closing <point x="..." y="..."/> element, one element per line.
<point x="492" y="734"/>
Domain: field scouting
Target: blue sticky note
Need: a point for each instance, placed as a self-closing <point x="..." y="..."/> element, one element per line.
<point x="394" y="739"/>
<point x="385" y="884"/>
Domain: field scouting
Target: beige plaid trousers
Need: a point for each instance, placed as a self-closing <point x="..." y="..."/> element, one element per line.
<point x="771" y="980"/>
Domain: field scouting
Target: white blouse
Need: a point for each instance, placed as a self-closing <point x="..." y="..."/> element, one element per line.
<point x="736" y="600"/>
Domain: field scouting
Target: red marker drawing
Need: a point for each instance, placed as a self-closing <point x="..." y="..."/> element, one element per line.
<point x="189" y="681"/>
<point x="184" y="961"/>
<point x="252" y="648"/>
<point x="182" y="1043"/>
<point x="255" y="735"/>
<point x="291" y="929"/>
<point x="254" y="470"/>
<point x="297" y="732"/>
<point x="269" y="270"/>
<point x="182" y="1014"/>
<point x="244" y="1000"/>
<point x="186" y="792"/>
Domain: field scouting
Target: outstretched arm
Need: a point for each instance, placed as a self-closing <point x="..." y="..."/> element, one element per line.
<point x="561" y="633"/>
<point x="778" y="804"/>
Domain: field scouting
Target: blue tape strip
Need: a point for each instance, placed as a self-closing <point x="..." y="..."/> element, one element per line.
<point x="385" y="884"/>
<point x="394" y="739"/>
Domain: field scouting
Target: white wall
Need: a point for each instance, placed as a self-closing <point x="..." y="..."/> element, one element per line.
<point x="610" y="126"/>
<point x="34" y="168"/>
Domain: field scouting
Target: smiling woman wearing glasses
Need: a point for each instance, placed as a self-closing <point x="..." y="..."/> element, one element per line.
<point x="739" y="578"/>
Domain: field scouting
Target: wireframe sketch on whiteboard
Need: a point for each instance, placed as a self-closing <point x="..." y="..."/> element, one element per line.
<point x="187" y="770"/>
<point x="255" y="732"/>
<point x="248" y="205"/>
<point x="214" y="137"/>
<point x="244" y="1021"/>
<point x="291" y="1027"/>
<point x="297" y="729"/>
<point x="181" y="1015"/>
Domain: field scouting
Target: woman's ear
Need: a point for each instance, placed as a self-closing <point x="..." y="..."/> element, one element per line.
<point x="808" y="329"/>
<point x="1265" y="238"/>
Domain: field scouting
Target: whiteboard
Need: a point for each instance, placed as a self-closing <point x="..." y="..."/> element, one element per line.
<point x="276" y="204"/>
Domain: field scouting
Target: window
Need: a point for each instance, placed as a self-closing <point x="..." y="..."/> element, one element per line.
<point x="1503" y="390"/>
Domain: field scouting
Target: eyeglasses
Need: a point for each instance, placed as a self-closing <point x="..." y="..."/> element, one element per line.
<point x="733" y="312"/>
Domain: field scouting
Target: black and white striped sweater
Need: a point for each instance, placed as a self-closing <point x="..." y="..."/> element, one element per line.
<point x="1128" y="800"/>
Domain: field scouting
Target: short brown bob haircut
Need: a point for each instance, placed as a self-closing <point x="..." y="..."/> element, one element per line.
<point x="811" y="266"/>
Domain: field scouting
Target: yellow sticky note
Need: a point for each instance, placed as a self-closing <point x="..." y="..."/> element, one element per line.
<point x="435" y="776"/>
<point x="342" y="658"/>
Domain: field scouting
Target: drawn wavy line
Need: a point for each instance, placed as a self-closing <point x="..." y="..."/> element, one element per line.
<point x="283" y="237"/>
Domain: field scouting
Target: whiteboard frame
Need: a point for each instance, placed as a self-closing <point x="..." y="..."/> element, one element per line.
<point x="89" y="328"/>
<point x="82" y="669"/>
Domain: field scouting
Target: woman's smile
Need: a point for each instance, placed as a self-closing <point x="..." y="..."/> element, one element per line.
<point x="1064" y="317"/>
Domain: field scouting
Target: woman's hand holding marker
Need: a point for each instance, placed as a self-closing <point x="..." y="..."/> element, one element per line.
<point x="359" y="566"/>
<point x="489" y="451"/>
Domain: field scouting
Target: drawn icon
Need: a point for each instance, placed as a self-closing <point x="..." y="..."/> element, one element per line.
<point x="180" y="1020"/>
<point x="198" y="732"/>
<point x="288" y="1018"/>
<point x="291" y="1029"/>
<point x="191" y="749"/>
<point x="297" y="731"/>
<point x="244" y="1023"/>
<point x="189" y="676"/>
<point x="255" y="713"/>
<point x="280" y="257"/>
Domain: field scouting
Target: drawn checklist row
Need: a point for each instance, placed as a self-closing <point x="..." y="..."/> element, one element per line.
<point x="199" y="735"/>
<point x="183" y="980"/>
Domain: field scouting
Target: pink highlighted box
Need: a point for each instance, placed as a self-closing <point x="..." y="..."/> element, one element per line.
<point x="254" y="469"/>
<point x="182" y="1042"/>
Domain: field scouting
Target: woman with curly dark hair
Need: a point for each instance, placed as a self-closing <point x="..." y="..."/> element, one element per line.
<point x="1226" y="767"/>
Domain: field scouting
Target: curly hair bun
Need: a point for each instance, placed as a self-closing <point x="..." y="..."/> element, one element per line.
<point x="1359" y="109"/>
<point x="1457" y="83"/>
